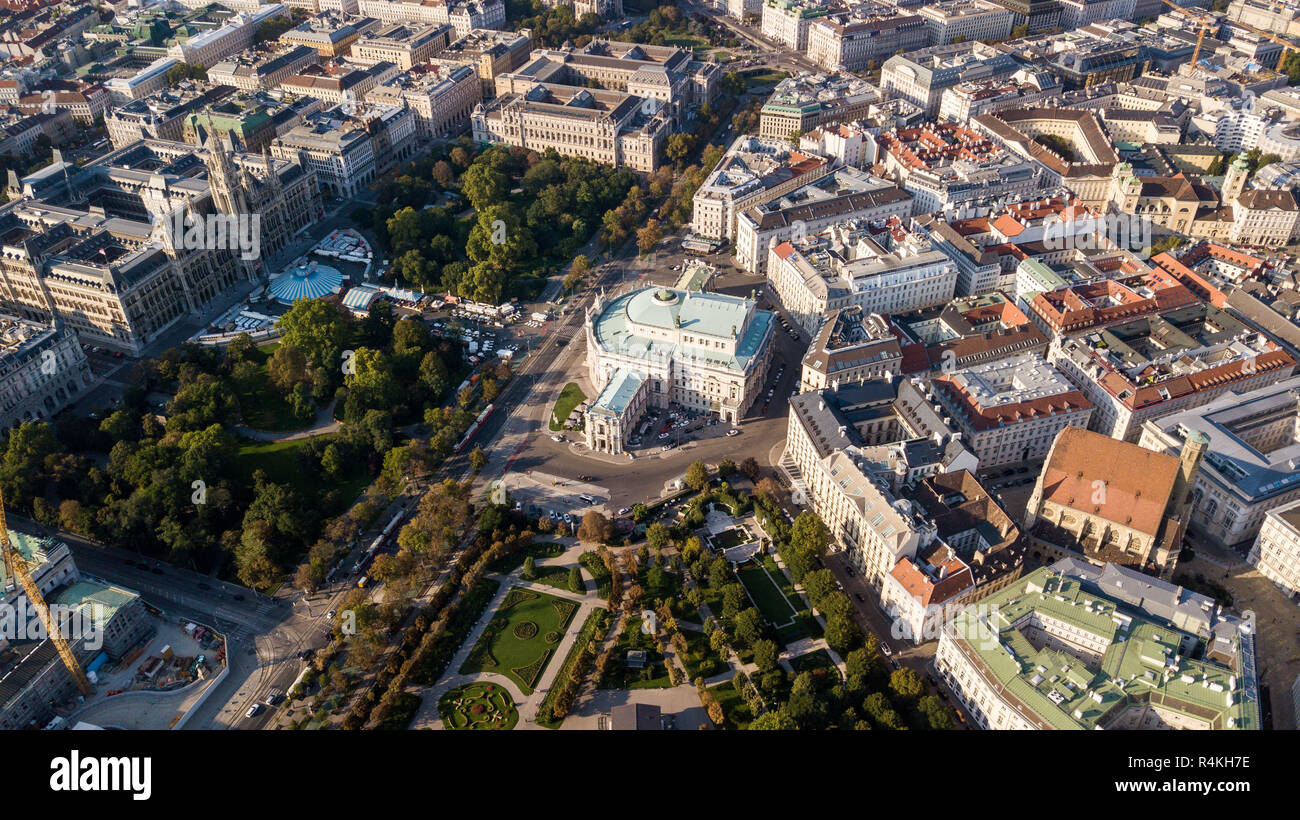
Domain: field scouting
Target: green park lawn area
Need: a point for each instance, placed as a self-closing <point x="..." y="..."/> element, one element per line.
<point x="728" y="538"/>
<point x="767" y="595"/>
<point x="521" y="637"/>
<point x="819" y="663"/>
<point x="685" y="41"/>
<point x="279" y="460"/>
<point x="570" y="397"/>
<point x="478" y="706"/>
<point x="759" y="77"/>
<point x="538" y="550"/>
<point x="701" y="660"/>
<point x="619" y="676"/>
<point x="261" y="405"/>
<point x="265" y="408"/>
<point x="735" y="712"/>
<point x="554" y="576"/>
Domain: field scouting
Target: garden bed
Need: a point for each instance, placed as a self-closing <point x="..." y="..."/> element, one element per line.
<point x="478" y="706"/>
<point x="521" y="637"/>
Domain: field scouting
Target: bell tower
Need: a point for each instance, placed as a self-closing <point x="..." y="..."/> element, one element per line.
<point x="1234" y="181"/>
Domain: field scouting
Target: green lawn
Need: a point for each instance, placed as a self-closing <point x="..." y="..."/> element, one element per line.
<point x="262" y="406"/>
<point x="787" y="589"/>
<point x="570" y="397"/>
<point x="735" y="712"/>
<point x="279" y="460"/>
<point x="596" y="569"/>
<point x="686" y="41"/>
<point x="478" y="706"/>
<point x="729" y="538"/>
<point x="767" y="595"/>
<point x="819" y="663"/>
<point x="515" y="560"/>
<point x="521" y="637"/>
<point x="618" y="676"/>
<point x="760" y="77"/>
<point x="557" y="577"/>
<point x="701" y="660"/>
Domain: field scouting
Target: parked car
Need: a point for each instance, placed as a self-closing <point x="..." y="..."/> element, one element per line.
<point x="254" y="710"/>
<point x="557" y="438"/>
<point x="733" y="432"/>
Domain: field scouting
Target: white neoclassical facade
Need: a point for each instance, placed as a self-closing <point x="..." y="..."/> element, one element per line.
<point x="705" y="352"/>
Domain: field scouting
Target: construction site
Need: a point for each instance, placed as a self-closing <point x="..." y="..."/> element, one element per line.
<point x="69" y="641"/>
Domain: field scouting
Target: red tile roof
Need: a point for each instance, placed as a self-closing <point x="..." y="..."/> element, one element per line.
<point x="1106" y="477"/>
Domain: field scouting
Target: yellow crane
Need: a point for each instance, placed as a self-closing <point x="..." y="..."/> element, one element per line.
<point x="1206" y="23"/>
<point x="15" y="565"/>
<point x="1285" y="44"/>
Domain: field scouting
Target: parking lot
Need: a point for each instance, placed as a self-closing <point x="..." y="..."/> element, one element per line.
<point x="484" y="336"/>
<point x="563" y="500"/>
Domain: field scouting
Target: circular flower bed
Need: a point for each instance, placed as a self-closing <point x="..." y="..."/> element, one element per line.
<point x="478" y="706"/>
<point x="552" y="637"/>
<point x="525" y="630"/>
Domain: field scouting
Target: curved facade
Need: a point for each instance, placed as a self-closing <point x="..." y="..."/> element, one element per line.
<point x="705" y="352"/>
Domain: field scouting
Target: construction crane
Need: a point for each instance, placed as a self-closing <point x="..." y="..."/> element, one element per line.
<point x="15" y="565"/>
<point x="1285" y="44"/>
<point x="1206" y="23"/>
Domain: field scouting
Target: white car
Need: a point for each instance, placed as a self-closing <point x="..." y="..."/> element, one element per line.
<point x="557" y="438"/>
<point x="733" y="432"/>
<point x="884" y="648"/>
<point x="254" y="710"/>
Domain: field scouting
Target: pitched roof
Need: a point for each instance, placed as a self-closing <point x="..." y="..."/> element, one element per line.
<point x="1135" y="483"/>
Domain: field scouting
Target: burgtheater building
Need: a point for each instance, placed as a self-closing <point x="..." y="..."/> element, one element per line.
<point x="705" y="352"/>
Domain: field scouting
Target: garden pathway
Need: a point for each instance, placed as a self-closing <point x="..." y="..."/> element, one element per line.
<point x="427" y="717"/>
<point x="324" y="423"/>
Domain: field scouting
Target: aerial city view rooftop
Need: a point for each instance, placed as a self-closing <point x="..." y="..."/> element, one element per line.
<point x="619" y="365"/>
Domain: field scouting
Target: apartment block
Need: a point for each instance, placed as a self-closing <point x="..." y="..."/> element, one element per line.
<point x="1010" y="410"/>
<point x="800" y="104"/>
<point x="402" y="45"/>
<point x="882" y="267"/>
<point x="845" y="193"/>
<point x="753" y="171"/>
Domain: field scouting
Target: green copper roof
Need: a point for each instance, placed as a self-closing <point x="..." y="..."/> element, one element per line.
<point x="1142" y="660"/>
